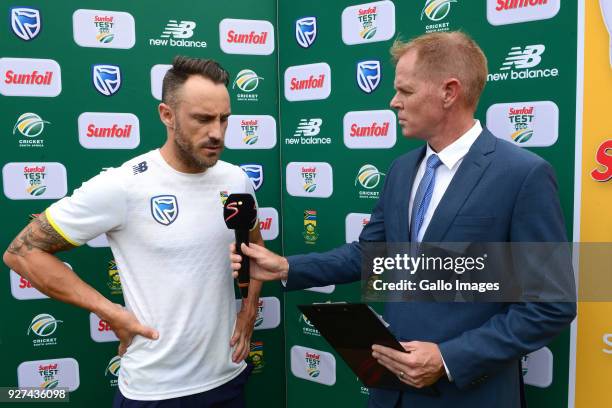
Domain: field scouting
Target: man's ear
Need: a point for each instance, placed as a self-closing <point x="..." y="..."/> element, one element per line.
<point x="166" y="114"/>
<point x="451" y="92"/>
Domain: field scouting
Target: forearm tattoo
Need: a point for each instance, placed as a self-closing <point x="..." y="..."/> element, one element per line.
<point x="39" y="234"/>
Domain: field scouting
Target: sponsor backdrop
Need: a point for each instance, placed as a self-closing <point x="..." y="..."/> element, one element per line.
<point x="594" y="345"/>
<point x="80" y="83"/>
<point x="339" y="136"/>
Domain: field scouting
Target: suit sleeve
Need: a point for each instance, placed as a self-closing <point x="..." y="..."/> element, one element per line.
<point x="524" y="327"/>
<point x="342" y="264"/>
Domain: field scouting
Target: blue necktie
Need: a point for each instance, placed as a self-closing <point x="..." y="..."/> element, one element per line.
<point x="423" y="196"/>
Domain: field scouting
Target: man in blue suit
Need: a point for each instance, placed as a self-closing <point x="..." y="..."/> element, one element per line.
<point x="465" y="185"/>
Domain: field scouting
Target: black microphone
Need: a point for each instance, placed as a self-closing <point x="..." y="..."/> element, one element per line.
<point x="240" y="214"/>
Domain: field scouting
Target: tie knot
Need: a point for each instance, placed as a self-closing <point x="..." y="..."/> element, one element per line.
<point x="433" y="161"/>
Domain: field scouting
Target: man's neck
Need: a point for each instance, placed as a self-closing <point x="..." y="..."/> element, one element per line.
<point x="449" y="131"/>
<point x="173" y="158"/>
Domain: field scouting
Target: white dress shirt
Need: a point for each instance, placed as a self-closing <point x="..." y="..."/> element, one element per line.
<point x="451" y="157"/>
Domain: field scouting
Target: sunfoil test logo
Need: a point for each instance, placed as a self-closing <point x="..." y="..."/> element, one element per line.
<point x="309" y="175"/>
<point x="103" y="29"/>
<point x="247" y="81"/>
<point x="313" y="361"/>
<point x="370" y="22"/>
<point x="527" y="124"/>
<point x="25" y="22"/>
<point x="249" y="131"/>
<point x="35" y="180"/>
<point x="259" y="318"/>
<point x="49" y="374"/>
<point x="521" y="63"/>
<point x="43" y="326"/>
<point x="177" y="34"/>
<point x="436" y="11"/>
<point x="30" y="125"/>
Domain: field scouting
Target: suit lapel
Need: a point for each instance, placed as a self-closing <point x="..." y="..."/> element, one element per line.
<point x="469" y="173"/>
<point x="407" y="180"/>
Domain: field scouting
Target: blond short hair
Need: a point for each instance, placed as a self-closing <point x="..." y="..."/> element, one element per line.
<point x="449" y="54"/>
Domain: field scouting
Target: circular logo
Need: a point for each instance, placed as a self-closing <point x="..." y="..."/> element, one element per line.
<point x="43" y="325"/>
<point x="113" y="366"/>
<point x="368" y="176"/>
<point x="37" y="190"/>
<point x="436" y="10"/>
<point x="247" y="80"/>
<point x="522" y="136"/>
<point x="29" y="125"/>
<point x="250" y="139"/>
<point x="105" y="38"/>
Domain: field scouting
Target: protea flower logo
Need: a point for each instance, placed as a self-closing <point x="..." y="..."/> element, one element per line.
<point x="29" y="125"/>
<point x="113" y="367"/>
<point x="368" y="176"/>
<point x="43" y="325"/>
<point x="247" y="80"/>
<point x="436" y="10"/>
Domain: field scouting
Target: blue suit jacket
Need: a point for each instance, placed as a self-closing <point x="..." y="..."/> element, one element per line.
<point x="500" y="193"/>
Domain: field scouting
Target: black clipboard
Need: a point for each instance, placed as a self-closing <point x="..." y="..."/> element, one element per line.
<point x="351" y="329"/>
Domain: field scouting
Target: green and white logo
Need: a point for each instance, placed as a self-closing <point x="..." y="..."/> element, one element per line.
<point x="43" y="325"/>
<point x="247" y="80"/>
<point x="368" y="177"/>
<point x="29" y="125"/>
<point x="437" y="10"/>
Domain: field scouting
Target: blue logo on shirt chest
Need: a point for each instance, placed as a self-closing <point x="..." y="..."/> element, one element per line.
<point x="164" y="209"/>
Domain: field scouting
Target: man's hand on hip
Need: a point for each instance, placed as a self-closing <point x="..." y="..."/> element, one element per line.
<point x="419" y="366"/>
<point x="126" y="326"/>
<point x="265" y="264"/>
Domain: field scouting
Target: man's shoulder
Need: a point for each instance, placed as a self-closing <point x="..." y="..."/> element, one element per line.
<point x="225" y="169"/>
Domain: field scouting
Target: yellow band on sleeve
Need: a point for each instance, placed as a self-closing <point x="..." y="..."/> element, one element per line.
<point x="59" y="230"/>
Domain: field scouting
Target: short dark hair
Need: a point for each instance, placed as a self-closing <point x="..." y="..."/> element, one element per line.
<point x="184" y="67"/>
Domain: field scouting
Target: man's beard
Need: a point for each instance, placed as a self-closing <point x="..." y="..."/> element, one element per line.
<point x="188" y="151"/>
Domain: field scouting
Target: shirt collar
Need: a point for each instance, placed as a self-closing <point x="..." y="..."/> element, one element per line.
<point x="454" y="152"/>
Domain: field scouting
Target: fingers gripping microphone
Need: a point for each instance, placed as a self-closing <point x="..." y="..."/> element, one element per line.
<point x="240" y="214"/>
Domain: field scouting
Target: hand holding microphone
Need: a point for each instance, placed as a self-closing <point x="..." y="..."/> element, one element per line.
<point x="240" y="214"/>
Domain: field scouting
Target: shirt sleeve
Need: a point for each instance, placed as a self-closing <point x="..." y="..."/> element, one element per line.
<point x="98" y="206"/>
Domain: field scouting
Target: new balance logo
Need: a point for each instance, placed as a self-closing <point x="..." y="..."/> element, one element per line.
<point x="174" y="29"/>
<point x="308" y="127"/>
<point x="528" y="57"/>
<point x="140" y="167"/>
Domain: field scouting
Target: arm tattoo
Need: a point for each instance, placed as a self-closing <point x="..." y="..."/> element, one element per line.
<point x="39" y="234"/>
